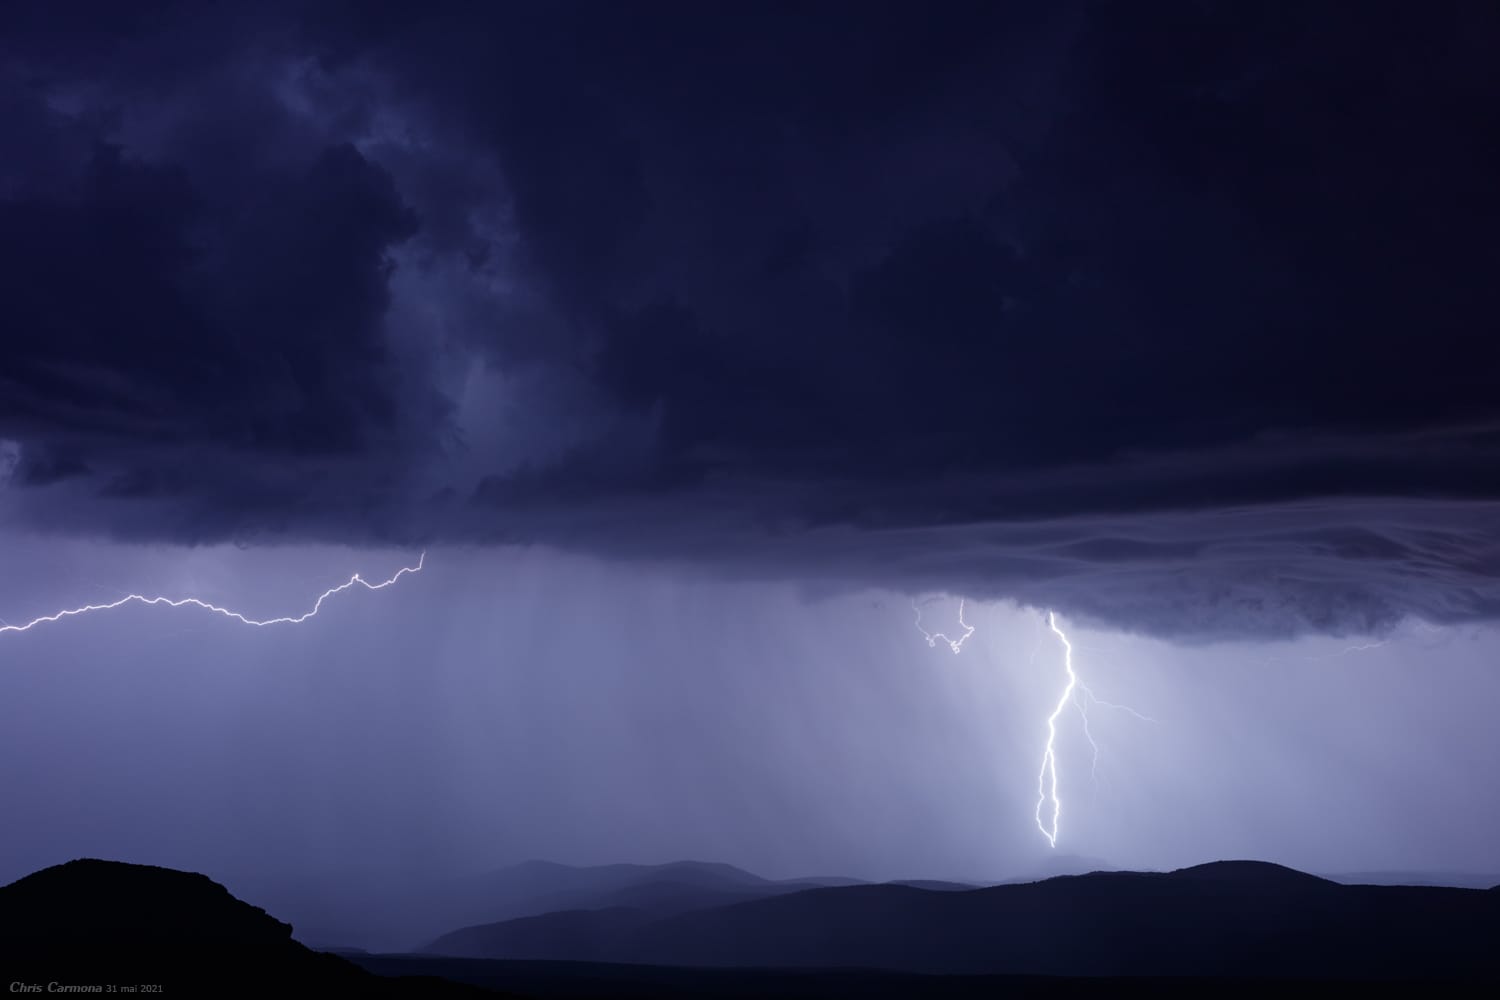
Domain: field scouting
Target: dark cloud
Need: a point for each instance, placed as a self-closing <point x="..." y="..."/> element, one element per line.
<point x="196" y="288"/>
<point x="133" y="311"/>
<point x="865" y="272"/>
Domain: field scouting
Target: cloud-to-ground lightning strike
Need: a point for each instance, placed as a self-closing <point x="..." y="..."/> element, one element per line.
<point x="1047" y="784"/>
<point x="226" y="612"/>
<point x="933" y="637"/>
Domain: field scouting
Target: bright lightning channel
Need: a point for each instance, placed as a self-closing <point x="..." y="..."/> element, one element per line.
<point x="226" y="612"/>
<point x="1046" y="781"/>
<point x="1047" y="778"/>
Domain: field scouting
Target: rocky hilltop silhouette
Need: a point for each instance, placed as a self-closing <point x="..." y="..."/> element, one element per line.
<point x="107" y="923"/>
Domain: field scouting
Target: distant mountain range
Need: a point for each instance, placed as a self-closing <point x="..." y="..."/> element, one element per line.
<point x="644" y="930"/>
<point x="366" y="913"/>
<point x="1242" y="918"/>
<point x="376" y="912"/>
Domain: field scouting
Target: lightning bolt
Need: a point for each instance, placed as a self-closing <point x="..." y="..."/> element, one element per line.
<point x="1047" y="778"/>
<point x="1076" y="693"/>
<point x="933" y="637"/>
<point x="226" y="612"/>
<point x="1046" y="781"/>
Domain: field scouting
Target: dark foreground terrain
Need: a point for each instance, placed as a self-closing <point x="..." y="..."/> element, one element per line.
<point x="1229" y="927"/>
<point x="579" y="980"/>
<point x="136" y="927"/>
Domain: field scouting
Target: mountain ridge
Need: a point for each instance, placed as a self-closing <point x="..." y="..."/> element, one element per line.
<point x="1249" y="917"/>
<point x="1244" y="920"/>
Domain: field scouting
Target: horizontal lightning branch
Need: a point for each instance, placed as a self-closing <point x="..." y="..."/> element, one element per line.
<point x="226" y="612"/>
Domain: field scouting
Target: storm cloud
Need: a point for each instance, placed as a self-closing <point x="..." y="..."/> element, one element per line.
<point x="1179" y="320"/>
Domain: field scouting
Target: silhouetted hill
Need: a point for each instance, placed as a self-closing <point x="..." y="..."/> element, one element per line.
<point x="108" y="923"/>
<point x="1233" y="918"/>
<point x="1256" y="875"/>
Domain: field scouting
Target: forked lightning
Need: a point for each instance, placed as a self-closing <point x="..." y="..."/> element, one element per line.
<point x="1047" y="783"/>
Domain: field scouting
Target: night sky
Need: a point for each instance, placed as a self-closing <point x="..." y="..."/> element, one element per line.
<point x="694" y="344"/>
